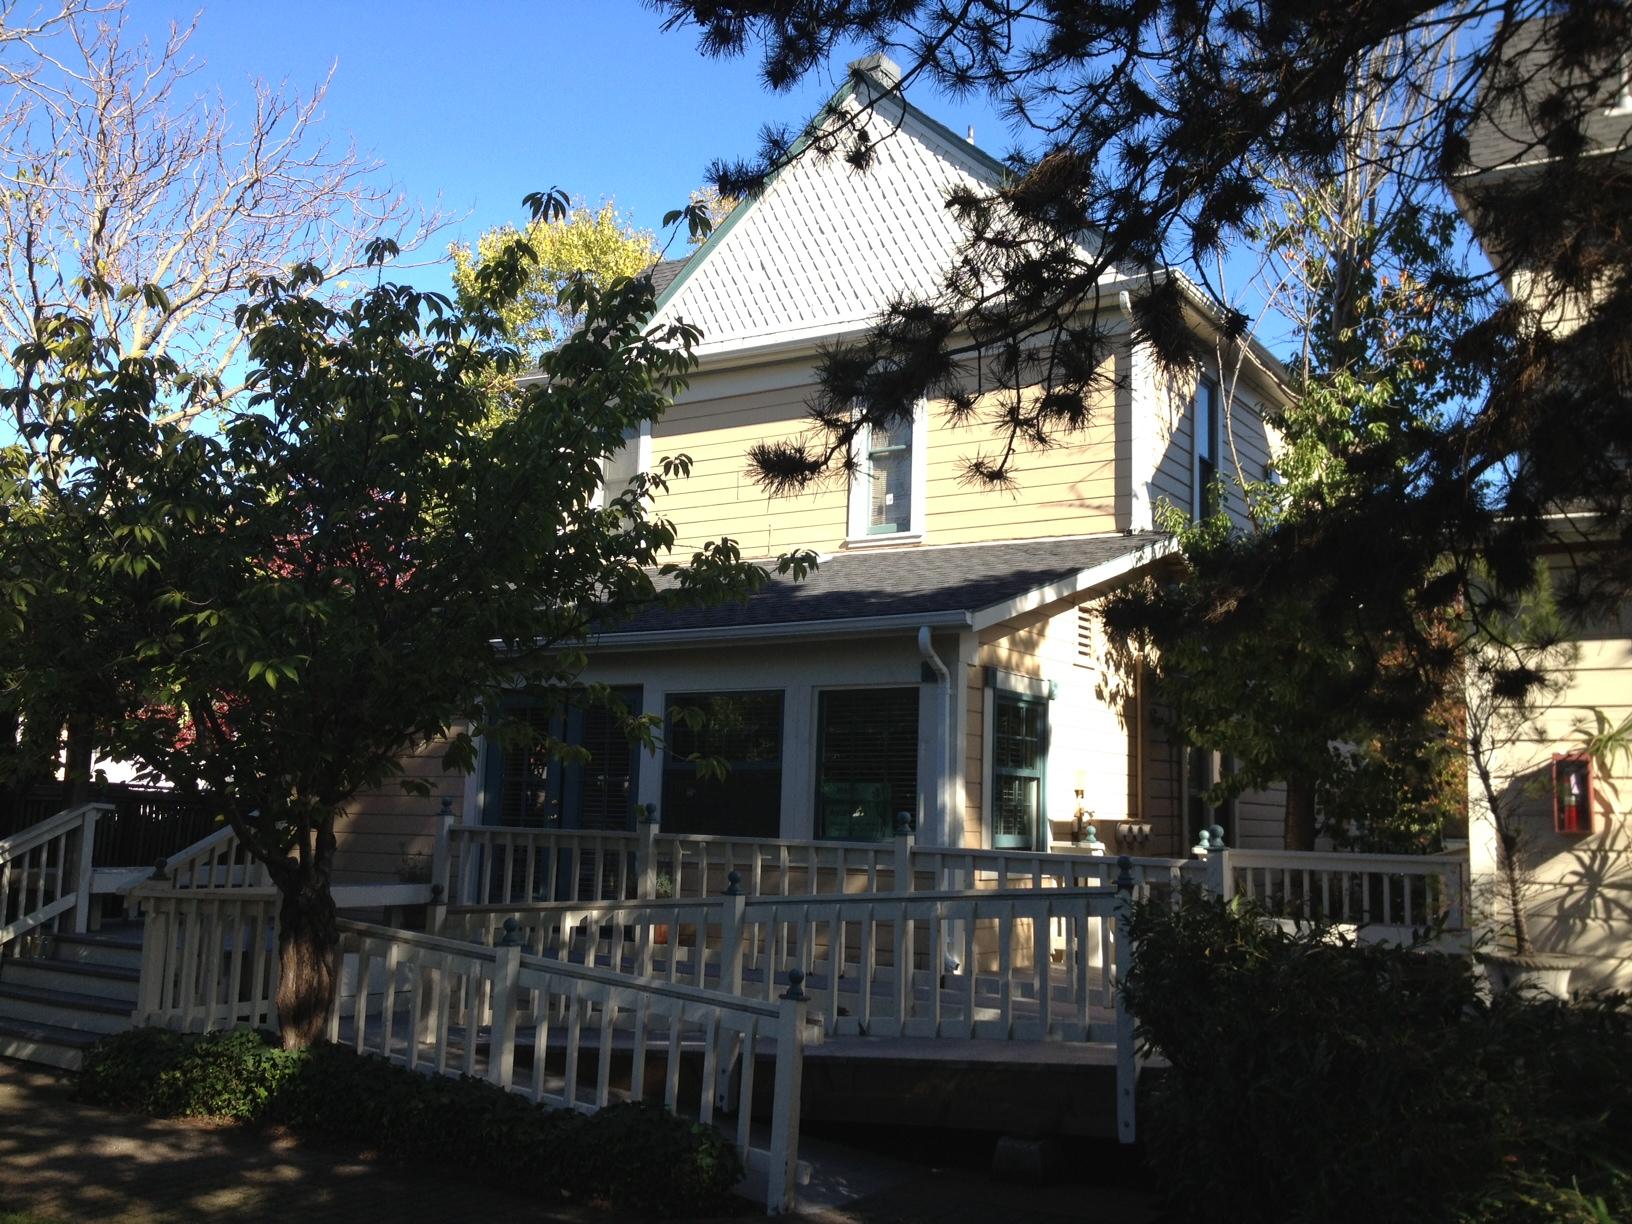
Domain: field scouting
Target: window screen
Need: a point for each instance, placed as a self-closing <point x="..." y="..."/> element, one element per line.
<point x="867" y="762"/>
<point x="745" y="731"/>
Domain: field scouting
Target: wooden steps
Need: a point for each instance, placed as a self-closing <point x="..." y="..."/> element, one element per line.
<point x="76" y="988"/>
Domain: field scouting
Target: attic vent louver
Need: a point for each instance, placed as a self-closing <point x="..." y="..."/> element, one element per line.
<point x="879" y="67"/>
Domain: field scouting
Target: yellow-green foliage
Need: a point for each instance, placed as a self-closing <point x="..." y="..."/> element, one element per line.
<point x="601" y="245"/>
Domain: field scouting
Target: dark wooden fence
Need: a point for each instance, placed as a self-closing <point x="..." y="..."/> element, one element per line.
<point x="147" y="822"/>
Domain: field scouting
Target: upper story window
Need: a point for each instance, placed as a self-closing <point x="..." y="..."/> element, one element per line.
<point x="1205" y="444"/>
<point x="887" y="491"/>
<point x="624" y="464"/>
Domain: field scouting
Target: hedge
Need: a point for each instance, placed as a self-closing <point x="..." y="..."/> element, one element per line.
<point x="637" y="1156"/>
<point x="1314" y="1079"/>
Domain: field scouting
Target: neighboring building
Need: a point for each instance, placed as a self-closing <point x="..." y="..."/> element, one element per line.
<point x="944" y="660"/>
<point x="1578" y="891"/>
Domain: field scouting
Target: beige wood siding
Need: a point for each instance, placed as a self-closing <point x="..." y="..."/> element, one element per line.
<point x="1091" y="719"/>
<point x="1246" y="443"/>
<point x="381" y="828"/>
<point x="720" y="498"/>
<point x="1070" y="488"/>
<point x="1577" y="896"/>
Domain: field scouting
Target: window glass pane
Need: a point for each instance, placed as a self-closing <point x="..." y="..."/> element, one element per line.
<point x="1206" y="421"/>
<point x="745" y="731"/>
<point x="1014" y="810"/>
<point x="1019" y="746"/>
<point x="889" y="464"/>
<point x="622" y="464"/>
<point x="867" y="762"/>
<point x="528" y="786"/>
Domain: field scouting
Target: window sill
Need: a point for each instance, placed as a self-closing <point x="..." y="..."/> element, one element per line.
<point x="883" y="541"/>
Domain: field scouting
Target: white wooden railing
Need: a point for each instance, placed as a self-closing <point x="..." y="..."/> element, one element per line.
<point x="219" y="860"/>
<point x="209" y="958"/>
<point x="528" y="1024"/>
<point x="1027" y="964"/>
<point x="1385" y="895"/>
<point x="513" y="866"/>
<point x="45" y="873"/>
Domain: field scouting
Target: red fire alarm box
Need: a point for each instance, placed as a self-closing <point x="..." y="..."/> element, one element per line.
<point x="1572" y="792"/>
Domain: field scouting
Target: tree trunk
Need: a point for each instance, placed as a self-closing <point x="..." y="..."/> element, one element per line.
<point x="308" y="960"/>
<point x="77" y="759"/>
<point x="1513" y="883"/>
<point x="1299" y="827"/>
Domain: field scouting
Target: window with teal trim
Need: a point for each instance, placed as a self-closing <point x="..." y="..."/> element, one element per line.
<point x="1019" y="751"/>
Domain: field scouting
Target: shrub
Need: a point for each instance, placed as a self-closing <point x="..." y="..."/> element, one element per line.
<point x="1314" y="1079"/>
<point x="637" y="1156"/>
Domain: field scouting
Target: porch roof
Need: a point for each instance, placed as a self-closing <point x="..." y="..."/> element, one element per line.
<point x="968" y="586"/>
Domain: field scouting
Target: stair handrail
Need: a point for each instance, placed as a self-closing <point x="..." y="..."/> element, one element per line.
<point x="31" y="848"/>
<point x="219" y="858"/>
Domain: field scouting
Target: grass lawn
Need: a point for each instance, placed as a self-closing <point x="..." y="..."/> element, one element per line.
<point x="23" y="1217"/>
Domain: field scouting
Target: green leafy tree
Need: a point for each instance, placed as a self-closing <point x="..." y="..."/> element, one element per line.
<point x="359" y="559"/>
<point x="600" y="246"/>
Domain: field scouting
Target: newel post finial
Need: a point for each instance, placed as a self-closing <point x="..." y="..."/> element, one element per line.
<point x="796" y="982"/>
<point x="512" y="933"/>
<point x="1124" y="873"/>
<point x="733" y="883"/>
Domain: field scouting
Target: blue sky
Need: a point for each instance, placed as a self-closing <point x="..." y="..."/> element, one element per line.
<point x="481" y="103"/>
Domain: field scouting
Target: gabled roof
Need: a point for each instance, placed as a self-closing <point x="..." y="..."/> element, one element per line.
<point x="824" y="248"/>
<point x="966" y="586"/>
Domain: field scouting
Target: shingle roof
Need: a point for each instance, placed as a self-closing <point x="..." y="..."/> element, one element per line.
<point x="1509" y="126"/>
<point x="662" y="274"/>
<point x="825" y="247"/>
<point x="929" y="582"/>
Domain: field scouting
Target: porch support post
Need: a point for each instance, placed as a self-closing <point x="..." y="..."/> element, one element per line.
<point x="1127" y="1070"/>
<point x="646" y="855"/>
<point x="904" y="842"/>
<point x="442" y="850"/>
<point x="728" y="1057"/>
<point x="781" y="1176"/>
<point x="84" y="870"/>
<point x="501" y="1044"/>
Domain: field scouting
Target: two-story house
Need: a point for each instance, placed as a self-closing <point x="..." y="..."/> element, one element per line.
<point x="1572" y="818"/>
<point x="945" y="659"/>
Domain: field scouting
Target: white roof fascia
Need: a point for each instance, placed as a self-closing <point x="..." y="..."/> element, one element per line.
<point x="713" y="635"/>
<point x="1082" y="581"/>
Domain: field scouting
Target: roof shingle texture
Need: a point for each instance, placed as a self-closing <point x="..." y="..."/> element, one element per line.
<point x="1508" y="129"/>
<point x="898" y="582"/>
<point x="826" y="246"/>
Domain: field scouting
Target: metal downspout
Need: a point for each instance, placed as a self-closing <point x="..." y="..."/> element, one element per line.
<point x="943" y="738"/>
<point x="943" y="776"/>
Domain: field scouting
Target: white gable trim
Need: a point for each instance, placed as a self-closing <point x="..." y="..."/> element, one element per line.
<point x="1091" y="579"/>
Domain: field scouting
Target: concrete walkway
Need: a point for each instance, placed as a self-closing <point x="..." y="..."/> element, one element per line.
<point x="75" y="1164"/>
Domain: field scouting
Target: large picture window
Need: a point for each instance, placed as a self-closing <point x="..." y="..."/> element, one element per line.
<point x="1019" y="751"/>
<point x="528" y="785"/>
<point x="866" y="762"/>
<point x="744" y="730"/>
